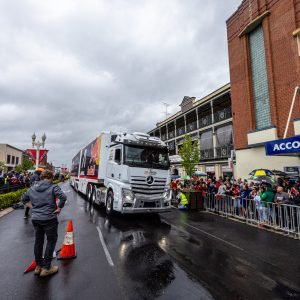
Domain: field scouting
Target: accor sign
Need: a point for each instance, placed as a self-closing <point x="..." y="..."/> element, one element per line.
<point x="284" y="146"/>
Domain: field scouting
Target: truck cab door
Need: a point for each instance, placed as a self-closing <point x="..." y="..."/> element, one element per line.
<point x="114" y="168"/>
<point x="110" y="163"/>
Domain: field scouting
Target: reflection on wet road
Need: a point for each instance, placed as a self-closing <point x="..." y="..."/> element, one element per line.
<point x="142" y="266"/>
<point x="176" y="255"/>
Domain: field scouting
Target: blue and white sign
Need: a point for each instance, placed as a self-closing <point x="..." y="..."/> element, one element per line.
<point x="284" y="146"/>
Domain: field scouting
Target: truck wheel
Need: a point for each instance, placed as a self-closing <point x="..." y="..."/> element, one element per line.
<point x="89" y="191"/>
<point x="94" y="195"/>
<point x="109" y="203"/>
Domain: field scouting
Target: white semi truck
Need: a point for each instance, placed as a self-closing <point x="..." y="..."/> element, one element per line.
<point x="127" y="173"/>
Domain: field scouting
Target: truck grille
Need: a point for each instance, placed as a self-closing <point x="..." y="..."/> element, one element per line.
<point x="140" y="186"/>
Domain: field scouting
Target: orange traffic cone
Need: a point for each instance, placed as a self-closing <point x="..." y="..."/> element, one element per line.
<point x="31" y="267"/>
<point x="68" y="247"/>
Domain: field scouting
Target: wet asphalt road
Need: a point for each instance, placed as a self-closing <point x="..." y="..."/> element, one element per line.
<point x="177" y="255"/>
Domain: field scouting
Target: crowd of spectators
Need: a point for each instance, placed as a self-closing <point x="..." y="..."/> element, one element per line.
<point x="283" y="191"/>
<point x="12" y="181"/>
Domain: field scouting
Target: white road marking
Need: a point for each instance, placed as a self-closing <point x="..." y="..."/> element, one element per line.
<point x="216" y="237"/>
<point x="211" y="235"/>
<point x="108" y="257"/>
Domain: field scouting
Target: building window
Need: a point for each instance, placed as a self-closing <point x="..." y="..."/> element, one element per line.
<point x="224" y="136"/>
<point x="259" y="78"/>
<point x="206" y="140"/>
<point x="8" y="159"/>
<point x="17" y="160"/>
<point x="12" y="160"/>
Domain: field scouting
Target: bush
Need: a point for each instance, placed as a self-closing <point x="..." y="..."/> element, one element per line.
<point x="8" y="199"/>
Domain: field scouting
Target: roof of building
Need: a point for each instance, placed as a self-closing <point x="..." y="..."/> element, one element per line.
<point x="10" y="146"/>
<point x="196" y="103"/>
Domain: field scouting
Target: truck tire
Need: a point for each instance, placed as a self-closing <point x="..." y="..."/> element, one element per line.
<point x="94" y="195"/>
<point x="89" y="192"/>
<point x="109" y="203"/>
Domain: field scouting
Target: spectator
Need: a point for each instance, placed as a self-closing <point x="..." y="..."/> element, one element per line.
<point x="34" y="178"/>
<point x="282" y="213"/>
<point x="183" y="202"/>
<point x="245" y="193"/>
<point x="42" y="198"/>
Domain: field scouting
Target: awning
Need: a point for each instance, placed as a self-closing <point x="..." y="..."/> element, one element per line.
<point x="175" y="159"/>
<point x="285" y="147"/>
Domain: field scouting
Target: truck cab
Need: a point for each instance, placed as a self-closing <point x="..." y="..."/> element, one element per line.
<point x="137" y="174"/>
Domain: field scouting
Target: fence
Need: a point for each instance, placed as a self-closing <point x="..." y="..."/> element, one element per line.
<point x="280" y="217"/>
<point x="7" y="188"/>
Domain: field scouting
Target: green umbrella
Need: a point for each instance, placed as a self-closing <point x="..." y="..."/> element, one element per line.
<point x="186" y="177"/>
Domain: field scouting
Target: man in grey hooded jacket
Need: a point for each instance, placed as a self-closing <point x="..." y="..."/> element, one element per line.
<point x="42" y="198"/>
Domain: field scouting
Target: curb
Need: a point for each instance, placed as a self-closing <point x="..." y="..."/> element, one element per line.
<point x="6" y="211"/>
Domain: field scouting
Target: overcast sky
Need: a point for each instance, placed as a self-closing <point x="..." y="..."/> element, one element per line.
<point x="72" y="68"/>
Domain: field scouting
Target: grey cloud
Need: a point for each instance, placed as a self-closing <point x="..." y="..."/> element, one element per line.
<point x="74" y="68"/>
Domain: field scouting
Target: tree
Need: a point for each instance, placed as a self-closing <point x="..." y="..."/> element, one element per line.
<point x="27" y="164"/>
<point x="19" y="168"/>
<point x="190" y="155"/>
<point x="3" y="167"/>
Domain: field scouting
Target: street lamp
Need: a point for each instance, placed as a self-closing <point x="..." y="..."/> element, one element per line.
<point x="38" y="145"/>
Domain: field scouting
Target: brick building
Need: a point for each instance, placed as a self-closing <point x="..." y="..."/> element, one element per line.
<point x="264" y="58"/>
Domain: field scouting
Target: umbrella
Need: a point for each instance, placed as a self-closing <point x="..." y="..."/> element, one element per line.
<point x="174" y="177"/>
<point x="199" y="173"/>
<point x="186" y="177"/>
<point x="261" y="172"/>
<point x="279" y="173"/>
<point x="263" y="179"/>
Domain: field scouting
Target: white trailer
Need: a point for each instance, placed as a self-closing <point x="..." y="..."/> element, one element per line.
<point x="127" y="173"/>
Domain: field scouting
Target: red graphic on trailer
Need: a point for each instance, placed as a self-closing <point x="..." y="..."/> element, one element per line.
<point x="90" y="160"/>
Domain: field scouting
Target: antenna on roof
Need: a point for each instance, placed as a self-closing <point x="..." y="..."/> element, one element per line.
<point x="166" y="105"/>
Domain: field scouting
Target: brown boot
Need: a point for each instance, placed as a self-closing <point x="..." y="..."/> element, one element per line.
<point x="48" y="272"/>
<point x="38" y="270"/>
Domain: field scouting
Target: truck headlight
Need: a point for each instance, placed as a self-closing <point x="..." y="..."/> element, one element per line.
<point x="128" y="195"/>
<point x="167" y="195"/>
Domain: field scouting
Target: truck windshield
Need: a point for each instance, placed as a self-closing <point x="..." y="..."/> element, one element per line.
<point x="146" y="157"/>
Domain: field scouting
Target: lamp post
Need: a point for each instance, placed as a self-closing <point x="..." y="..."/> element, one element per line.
<point x="38" y="145"/>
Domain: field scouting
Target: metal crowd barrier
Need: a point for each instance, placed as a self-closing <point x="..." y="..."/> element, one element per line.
<point x="280" y="217"/>
<point x="10" y="188"/>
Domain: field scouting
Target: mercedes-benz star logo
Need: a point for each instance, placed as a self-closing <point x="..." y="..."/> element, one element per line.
<point x="150" y="179"/>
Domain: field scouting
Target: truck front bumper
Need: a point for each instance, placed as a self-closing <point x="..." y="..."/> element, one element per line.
<point x="137" y="210"/>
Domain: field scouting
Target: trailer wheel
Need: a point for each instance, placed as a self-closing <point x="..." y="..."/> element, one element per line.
<point x="109" y="203"/>
<point x="89" y="191"/>
<point x="94" y="195"/>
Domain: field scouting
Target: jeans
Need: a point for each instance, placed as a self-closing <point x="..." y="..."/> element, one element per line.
<point x="42" y="227"/>
<point x="181" y="206"/>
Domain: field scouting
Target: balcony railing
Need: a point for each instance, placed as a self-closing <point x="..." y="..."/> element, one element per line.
<point x="224" y="151"/>
<point x="221" y="152"/>
<point x="191" y="126"/>
<point x="222" y="114"/>
<point x="180" y="131"/>
<point x="171" y="134"/>
<point x="205" y="121"/>
<point x="164" y="137"/>
<point x="206" y="154"/>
